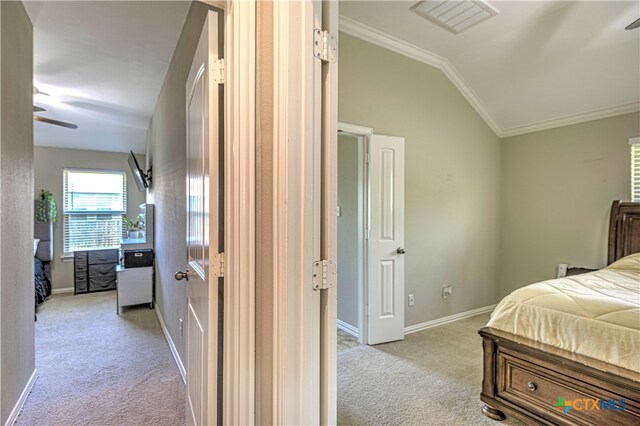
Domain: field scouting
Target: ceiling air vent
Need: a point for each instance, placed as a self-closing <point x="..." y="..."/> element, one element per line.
<point x="455" y="16"/>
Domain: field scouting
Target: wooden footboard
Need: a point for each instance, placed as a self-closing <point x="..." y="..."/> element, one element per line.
<point x="540" y="384"/>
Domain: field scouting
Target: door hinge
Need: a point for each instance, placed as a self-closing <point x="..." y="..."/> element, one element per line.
<point x="324" y="274"/>
<point x="217" y="71"/>
<point x="217" y="265"/>
<point x="325" y="45"/>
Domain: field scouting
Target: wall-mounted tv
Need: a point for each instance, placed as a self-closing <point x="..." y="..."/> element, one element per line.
<point x="143" y="180"/>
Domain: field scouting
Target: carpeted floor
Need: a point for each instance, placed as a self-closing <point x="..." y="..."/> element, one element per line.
<point x="97" y="368"/>
<point x="433" y="377"/>
<point x="345" y="341"/>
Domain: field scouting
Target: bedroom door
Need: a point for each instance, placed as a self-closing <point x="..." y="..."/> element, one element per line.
<point x="386" y="241"/>
<point x="202" y="232"/>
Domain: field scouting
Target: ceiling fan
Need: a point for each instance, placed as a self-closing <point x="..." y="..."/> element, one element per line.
<point x="51" y="120"/>
<point x="632" y="26"/>
<point x="36" y="108"/>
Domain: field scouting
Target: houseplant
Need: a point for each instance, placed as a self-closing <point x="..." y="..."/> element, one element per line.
<point x="46" y="210"/>
<point x="133" y="225"/>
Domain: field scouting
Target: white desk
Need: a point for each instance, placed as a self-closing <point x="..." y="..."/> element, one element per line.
<point x="134" y="287"/>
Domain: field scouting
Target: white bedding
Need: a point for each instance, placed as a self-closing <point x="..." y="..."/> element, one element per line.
<point x="595" y="314"/>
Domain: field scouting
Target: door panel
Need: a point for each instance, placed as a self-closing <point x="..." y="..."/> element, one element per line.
<point x="386" y="263"/>
<point x="202" y="207"/>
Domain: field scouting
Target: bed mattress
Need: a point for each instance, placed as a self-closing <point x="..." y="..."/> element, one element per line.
<point x="595" y="314"/>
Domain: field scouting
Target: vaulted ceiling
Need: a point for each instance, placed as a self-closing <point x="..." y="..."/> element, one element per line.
<point x="538" y="64"/>
<point x="102" y="65"/>
<point x="535" y="65"/>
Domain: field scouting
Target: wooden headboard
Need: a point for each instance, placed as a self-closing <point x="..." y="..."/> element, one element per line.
<point x="624" y="230"/>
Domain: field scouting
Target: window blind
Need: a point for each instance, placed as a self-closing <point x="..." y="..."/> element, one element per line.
<point x="93" y="206"/>
<point x="635" y="169"/>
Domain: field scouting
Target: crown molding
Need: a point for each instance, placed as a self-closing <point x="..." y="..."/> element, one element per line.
<point x="568" y="120"/>
<point x="379" y="38"/>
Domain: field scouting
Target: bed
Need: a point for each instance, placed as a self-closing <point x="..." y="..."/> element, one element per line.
<point x="567" y="351"/>
<point x="43" y="254"/>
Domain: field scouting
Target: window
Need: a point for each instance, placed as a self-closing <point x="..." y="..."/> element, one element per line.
<point x="94" y="204"/>
<point x="635" y="169"/>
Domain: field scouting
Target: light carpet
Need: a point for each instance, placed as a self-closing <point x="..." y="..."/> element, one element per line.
<point x="98" y="368"/>
<point x="433" y="377"/>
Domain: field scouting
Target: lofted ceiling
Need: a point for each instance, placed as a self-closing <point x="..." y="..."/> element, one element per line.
<point x="102" y="65"/>
<point x="538" y="64"/>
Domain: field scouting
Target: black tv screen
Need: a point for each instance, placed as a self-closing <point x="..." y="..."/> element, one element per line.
<point x="138" y="175"/>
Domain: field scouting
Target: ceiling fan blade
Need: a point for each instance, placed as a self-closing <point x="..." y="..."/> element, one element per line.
<point x="38" y="109"/>
<point x="55" y="122"/>
<point x="37" y="91"/>
<point x="635" y="24"/>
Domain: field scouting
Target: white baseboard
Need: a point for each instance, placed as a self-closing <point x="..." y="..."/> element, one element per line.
<point x="446" y="320"/>
<point x="23" y="398"/>
<point x="172" y="346"/>
<point x="348" y="328"/>
<point x="62" y="290"/>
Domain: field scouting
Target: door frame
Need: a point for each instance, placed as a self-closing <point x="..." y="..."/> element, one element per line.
<point x="363" y="226"/>
<point x="297" y="222"/>
<point x="238" y="353"/>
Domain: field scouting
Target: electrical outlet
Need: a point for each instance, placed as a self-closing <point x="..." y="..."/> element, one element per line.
<point x="180" y="324"/>
<point x="562" y="270"/>
<point x="446" y="292"/>
<point x="338" y="211"/>
<point x="412" y="299"/>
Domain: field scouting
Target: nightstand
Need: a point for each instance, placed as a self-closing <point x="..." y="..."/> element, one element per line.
<point x="134" y="286"/>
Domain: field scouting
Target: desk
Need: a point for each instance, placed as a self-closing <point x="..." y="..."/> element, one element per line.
<point x="134" y="287"/>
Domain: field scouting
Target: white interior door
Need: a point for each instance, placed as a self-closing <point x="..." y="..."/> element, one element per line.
<point x="386" y="243"/>
<point x="202" y="212"/>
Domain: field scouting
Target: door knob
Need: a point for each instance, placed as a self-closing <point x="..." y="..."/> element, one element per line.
<point x="401" y="250"/>
<point x="182" y="275"/>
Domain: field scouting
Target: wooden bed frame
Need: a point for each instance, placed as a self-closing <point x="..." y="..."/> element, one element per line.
<point x="524" y="379"/>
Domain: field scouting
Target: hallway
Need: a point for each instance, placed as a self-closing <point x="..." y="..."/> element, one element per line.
<point x="97" y="368"/>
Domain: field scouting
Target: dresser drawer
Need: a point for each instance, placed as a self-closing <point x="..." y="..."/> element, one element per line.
<point x="102" y="283"/>
<point x="540" y="391"/>
<point x="103" y="256"/>
<point x="80" y="256"/>
<point x="81" y="286"/>
<point x="107" y="269"/>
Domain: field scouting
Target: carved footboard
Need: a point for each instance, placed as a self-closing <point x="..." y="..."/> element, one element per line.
<point x="539" y="384"/>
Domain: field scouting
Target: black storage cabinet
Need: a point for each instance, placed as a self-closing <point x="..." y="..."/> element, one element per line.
<point x="95" y="270"/>
<point x="138" y="258"/>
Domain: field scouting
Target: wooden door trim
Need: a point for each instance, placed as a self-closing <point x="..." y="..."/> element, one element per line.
<point x="239" y="211"/>
<point x="328" y="221"/>
<point x="295" y="237"/>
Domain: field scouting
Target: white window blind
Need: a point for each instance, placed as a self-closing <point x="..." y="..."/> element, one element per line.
<point x="635" y="169"/>
<point x="94" y="204"/>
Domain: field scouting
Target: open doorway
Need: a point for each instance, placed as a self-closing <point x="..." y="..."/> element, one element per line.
<point x="351" y="237"/>
<point x="370" y="225"/>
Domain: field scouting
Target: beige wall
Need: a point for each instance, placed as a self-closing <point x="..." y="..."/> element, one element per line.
<point x="348" y="229"/>
<point x="558" y="186"/>
<point x="166" y="151"/>
<point x="452" y="180"/>
<point x="16" y="206"/>
<point x="49" y="167"/>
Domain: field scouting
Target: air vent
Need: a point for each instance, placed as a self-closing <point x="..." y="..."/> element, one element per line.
<point x="455" y="16"/>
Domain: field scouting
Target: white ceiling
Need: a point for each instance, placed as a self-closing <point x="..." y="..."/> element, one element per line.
<point x="103" y="63"/>
<point x="534" y="62"/>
